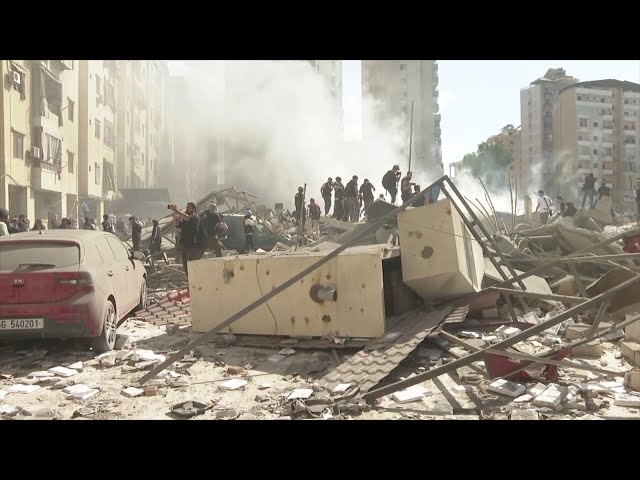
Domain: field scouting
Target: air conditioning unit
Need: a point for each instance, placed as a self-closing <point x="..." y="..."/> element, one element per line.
<point x="16" y="78"/>
<point x="35" y="152"/>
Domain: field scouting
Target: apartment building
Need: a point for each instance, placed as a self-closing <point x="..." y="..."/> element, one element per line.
<point x="597" y="130"/>
<point x="331" y="71"/>
<point x="39" y="137"/>
<point x="536" y="120"/>
<point x="455" y="168"/>
<point x="510" y="138"/>
<point x="97" y="136"/>
<point x="394" y="84"/>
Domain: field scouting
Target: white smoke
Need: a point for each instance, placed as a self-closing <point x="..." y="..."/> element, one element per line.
<point x="284" y="128"/>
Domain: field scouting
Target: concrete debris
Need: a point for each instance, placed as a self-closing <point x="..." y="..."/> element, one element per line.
<point x="550" y="340"/>
<point x="3" y="393"/>
<point x="300" y="393"/>
<point x="263" y="386"/>
<point x="631" y="380"/>
<point x="511" y="331"/>
<point x="590" y="349"/>
<point x="411" y="394"/>
<point x="77" y="366"/>
<point x="276" y="358"/>
<point x="631" y="351"/>
<point x="132" y="392"/>
<point x="627" y="400"/>
<point x="505" y="387"/>
<point x="21" y="388"/>
<point x="63" y="372"/>
<point x="467" y="334"/>
<point x="551" y="397"/>
<point x="523" y="398"/>
<point x="9" y="410"/>
<point x="340" y="388"/>
<point x="235" y="370"/>
<point x="228" y="414"/>
<point x="40" y="374"/>
<point x="528" y="414"/>
<point x="287" y="351"/>
<point x="233" y="384"/>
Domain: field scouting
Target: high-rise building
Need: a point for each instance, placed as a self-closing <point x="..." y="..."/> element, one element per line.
<point x="39" y="137"/>
<point x="510" y="138"/>
<point x="536" y="112"/>
<point x="97" y="136"/>
<point x="597" y="130"/>
<point x="394" y="84"/>
<point x="331" y="70"/>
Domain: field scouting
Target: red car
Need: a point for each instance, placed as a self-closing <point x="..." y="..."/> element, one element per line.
<point x="68" y="283"/>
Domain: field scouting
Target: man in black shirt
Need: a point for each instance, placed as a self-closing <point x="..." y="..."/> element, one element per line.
<point x="156" y="238"/>
<point x="351" y="193"/>
<point x="136" y="233"/>
<point x="339" y="209"/>
<point x="107" y="224"/>
<point x="325" y="191"/>
<point x="366" y="191"/>
<point x="588" y="189"/>
<point x="188" y="223"/>
<point x="300" y="208"/>
<point x="211" y="221"/>
<point x="390" y="182"/>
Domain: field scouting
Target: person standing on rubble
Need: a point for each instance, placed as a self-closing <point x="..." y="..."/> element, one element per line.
<point x="588" y="190"/>
<point x="390" y="182"/>
<point x="121" y="228"/>
<point x="136" y="233"/>
<point x="339" y="209"/>
<point x="300" y="208"/>
<point x="249" y="228"/>
<point x="188" y="223"/>
<point x="405" y="188"/>
<point x="325" y="191"/>
<point x="212" y="222"/>
<point x="155" y="242"/>
<point x="314" y="216"/>
<point x="366" y="192"/>
<point x="605" y="191"/>
<point x="351" y="194"/>
<point x="544" y="206"/>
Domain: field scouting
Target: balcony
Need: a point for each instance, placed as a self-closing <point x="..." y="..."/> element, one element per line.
<point x="607" y="130"/>
<point x="44" y="176"/>
<point x="607" y="116"/>
<point x="630" y="146"/>
<point x="607" y="172"/>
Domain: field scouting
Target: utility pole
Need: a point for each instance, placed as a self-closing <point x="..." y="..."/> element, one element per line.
<point x="410" y="136"/>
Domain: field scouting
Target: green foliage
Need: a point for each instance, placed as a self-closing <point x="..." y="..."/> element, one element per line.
<point x="490" y="163"/>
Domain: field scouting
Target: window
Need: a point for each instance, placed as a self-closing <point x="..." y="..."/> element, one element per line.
<point x="602" y="100"/>
<point x="108" y="133"/>
<point x="70" y="161"/>
<point x="595" y="165"/>
<point x="118" y="249"/>
<point x="97" y="172"/>
<point x="404" y="94"/>
<point x="97" y="129"/>
<point x="403" y="66"/>
<point x="595" y="124"/>
<point x="595" y="138"/>
<point x="583" y="122"/>
<point x="579" y="97"/>
<point x="18" y="145"/>
<point x="19" y="86"/>
<point x="403" y="109"/>
<point x="71" y="108"/>
<point x="626" y="102"/>
<point x="595" y="152"/>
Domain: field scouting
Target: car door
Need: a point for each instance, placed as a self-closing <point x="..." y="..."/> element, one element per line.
<point x="133" y="276"/>
<point x="109" y="268"/>
<point x="122" y="268"/>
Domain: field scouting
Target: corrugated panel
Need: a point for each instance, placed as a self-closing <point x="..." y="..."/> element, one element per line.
<point x="373" y="363"/>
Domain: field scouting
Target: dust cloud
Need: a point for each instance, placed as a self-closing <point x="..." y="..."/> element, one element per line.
<point x="282" y="129"/>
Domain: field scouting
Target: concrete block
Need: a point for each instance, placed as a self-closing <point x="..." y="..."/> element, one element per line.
<point x="632" y="332"/>
<point x="408" y="395"/>
<point x="233" y="384"/>
<point x="552" y="396"/>
<point x="20" y="388"/>
<point x="63" y="372"/>
<point x="632" y="380"/>
<point x="132" y="392"/>
<point x="627" y="400"/>
<point x="631" y="351"/>
<point x="528" y="414"/>
<point x="537" y="389"/>
<point x="575" y="332"/>
<point x="505" y="387"/>
<point x="590" y="349"/>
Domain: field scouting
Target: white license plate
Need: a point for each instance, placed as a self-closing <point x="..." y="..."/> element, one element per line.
<point x="22" y="324"/>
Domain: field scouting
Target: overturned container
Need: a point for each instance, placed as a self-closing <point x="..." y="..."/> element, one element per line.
<point x="440" y="258"/>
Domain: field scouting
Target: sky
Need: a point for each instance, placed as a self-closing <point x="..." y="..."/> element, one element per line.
<point x="479" y="97"/>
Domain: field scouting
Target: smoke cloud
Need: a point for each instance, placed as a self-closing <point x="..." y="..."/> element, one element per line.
<point x="282" y="129"/>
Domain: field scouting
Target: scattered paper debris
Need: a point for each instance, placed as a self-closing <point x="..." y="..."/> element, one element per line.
<point x="132" y="392"/>
<point x="302" y="393"/>
<point x="63" y="372"/>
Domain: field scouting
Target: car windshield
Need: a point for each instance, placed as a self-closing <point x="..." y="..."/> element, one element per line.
<point x="26" y="256"/>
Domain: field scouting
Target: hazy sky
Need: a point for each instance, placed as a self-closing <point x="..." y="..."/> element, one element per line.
<point x="479" y="97"/>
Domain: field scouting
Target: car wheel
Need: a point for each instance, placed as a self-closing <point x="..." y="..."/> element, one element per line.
<point x="143" y="296"/>
<point x="107" y="339"/>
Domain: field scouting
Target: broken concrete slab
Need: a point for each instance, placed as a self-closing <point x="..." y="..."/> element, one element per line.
<point x="40" y="374"/>
<point x="590" y="349"/>
<point x="411" y="394"/>
<point x="63" y="372"/>
<point x="551" y="397"/>
<point x="132" y="392"/>
<point x="550" y="340"/>
<point x="3" y="393"/>
<point x="627" y="400"/>
<point x="631" y="351"/>
<point x="233" y="384"/>
<point x="523" y="398"/>
<point x="511" y="331"/>
<point x="632" y="331"/>
<point x="21" y="388"/>
<point x="340" y="388"/>
<point x="505" y="387"/>
<point x="300" y="393"/>
<point x="524" y="414"/>
<point x="631" y="380"/>
<point x="77" y="366"/>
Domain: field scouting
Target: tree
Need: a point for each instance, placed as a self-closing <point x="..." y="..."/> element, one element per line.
<point x="490" y="163"/>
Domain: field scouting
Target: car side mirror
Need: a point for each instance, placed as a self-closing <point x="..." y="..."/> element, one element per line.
<point x="138" y="255"/>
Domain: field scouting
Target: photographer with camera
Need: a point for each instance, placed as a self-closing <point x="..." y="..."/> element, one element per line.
<point x="193" y="237"/>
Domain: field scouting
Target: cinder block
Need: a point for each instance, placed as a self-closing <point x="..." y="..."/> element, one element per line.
<point x="590" y="349"/>
<point x="575" y="332"/>
<point x="631" y="351"/>
<point x="552" y="396"/>
<point x="632" y="332"/>
<point x="632" y="380"/>
<point x="508" y="388"/>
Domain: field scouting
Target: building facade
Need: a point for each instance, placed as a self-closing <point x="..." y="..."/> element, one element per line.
<point x="510" y="138"/>
<point x="597" y="130"/>
<point x="393" y="85"/>
<point x="536" y="119"/>
<point x="39" y="137"/>
<point x="331" y="71"/>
